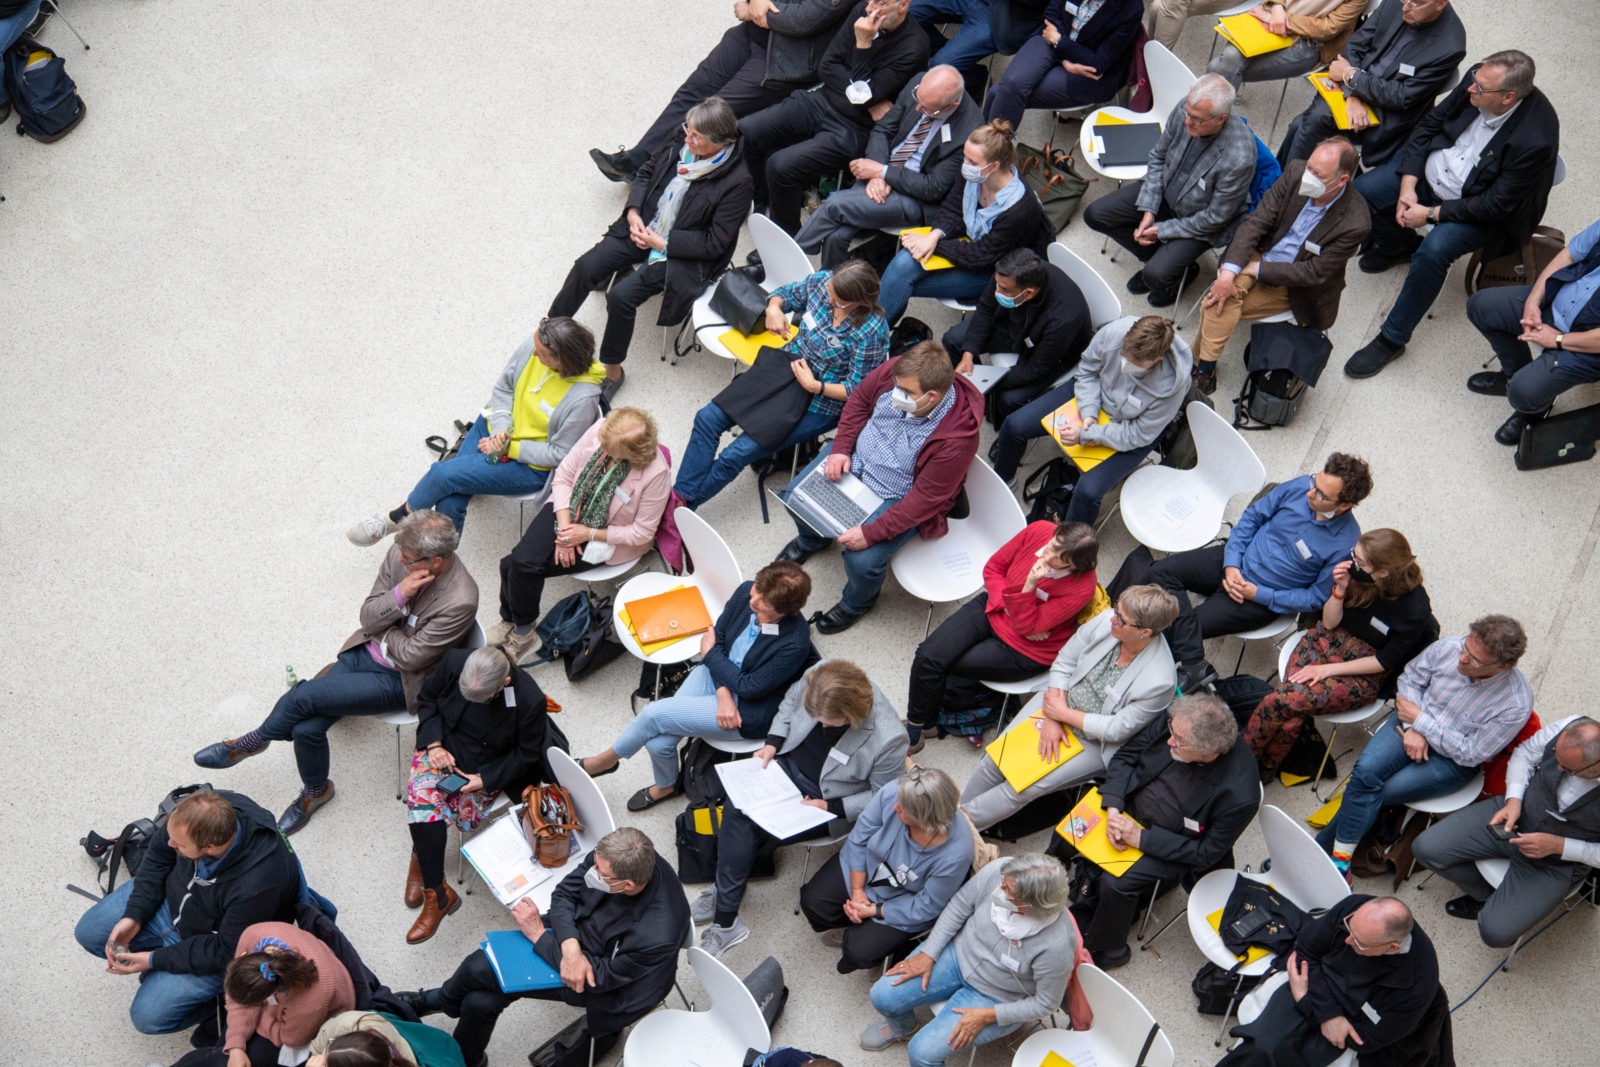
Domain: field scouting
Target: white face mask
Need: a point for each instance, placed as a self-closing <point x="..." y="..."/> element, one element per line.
<point x="1325" y="515"/>
<point x="900" y="400"/>
<point x="1012" y="924"/>
<point x="1311" y="185"/>
<point x="971" y="172"/>
<point x="592" y="879"/>
<point x="1134" y="369"/>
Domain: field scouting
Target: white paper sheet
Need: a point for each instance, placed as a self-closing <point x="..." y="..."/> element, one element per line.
<point x="769" y="797"/>
<point x="502" y="858"/>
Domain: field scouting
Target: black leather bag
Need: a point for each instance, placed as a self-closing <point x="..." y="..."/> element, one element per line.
<point x="1565" y="438"/>
<point x="739" y="301"/>
<point x="767" y="402"/>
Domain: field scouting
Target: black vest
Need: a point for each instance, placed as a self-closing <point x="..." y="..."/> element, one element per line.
<point x="1581" y="821"/>
<point x="1588" y="316"/>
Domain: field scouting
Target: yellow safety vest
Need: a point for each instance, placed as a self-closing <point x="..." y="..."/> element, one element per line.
<point x="539" y="392"/>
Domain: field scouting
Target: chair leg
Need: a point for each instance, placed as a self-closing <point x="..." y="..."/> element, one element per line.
<point x="1426" y="880"/>
<point x="1227" y="1013"/>
<point x="1152" y="938"/>
<point x="805" y="867"/>
<point x="927" y="627"/>
<point x="1149" y="911"/>
<point x="1506" y="963"/>
<point x="1316" y="781"/>
<point x="55" y="9"/>
<point x="399" y="758"/>
<point x="688" y="1006"/>
<point x="1283" y="93"/>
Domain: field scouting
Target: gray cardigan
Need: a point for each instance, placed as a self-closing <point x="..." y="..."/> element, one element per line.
<point x="1143" y="692"/>
<point x="578" y="410"/>
<point x="875" y="751"/>
<point x="1216" y="192"/>
<point x="1043" y="961"/>
<point x="1140" y="406"/>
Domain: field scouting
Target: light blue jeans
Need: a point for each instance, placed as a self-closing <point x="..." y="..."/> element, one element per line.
<point x="10" y="30"/>
<point x="905" y="278"/>
<point x="931" y="1046"/>
<point x="449" y="485"/>
<point x="691" y="712"/>
<point x="164" y="1002"/>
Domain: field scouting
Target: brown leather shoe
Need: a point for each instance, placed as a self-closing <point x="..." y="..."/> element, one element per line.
<point x="433" y="913"/>
<point x="414" y="884"/>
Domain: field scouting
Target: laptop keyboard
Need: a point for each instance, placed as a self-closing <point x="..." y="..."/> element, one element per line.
<point x="829" y="499"/>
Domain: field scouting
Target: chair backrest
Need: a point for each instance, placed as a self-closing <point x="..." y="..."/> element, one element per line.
<point x="475" y="638"/>
<point x="1170" y="79"/>
<point x="1104" y="304"/>
<point x="1300" y="869"/>
<point x="781" y="258"/>
<point x="1121" y="1023"/>
<point x="996" y="516"/>
<point x="592" y="809"/>
<point x="1225" y="463"/>
<point x="732" y="1006"/>
<point x="1560" y="174"/>
<point x="716" y="570"/>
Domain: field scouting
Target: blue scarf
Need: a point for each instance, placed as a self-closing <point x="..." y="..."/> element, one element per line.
<point x="980" y="220"/>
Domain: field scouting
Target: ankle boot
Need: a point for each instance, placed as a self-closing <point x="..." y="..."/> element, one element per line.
<point x="414" y="884"/>
<point x="433" y="912"/>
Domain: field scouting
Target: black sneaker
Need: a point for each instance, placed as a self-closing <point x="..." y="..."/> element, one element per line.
<point x="1377" y="354"/>
<point x="1463" y="907"/>
<point x="1488" y="383"/>
<point x="618" y="166"/>
<point x="1375" y="262"/>
<point x="1137" y="285"/>
<point x="611" y="386"/>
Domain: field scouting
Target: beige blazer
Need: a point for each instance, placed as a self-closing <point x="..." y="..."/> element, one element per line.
<point x="637" y="505"/>
<point x="434" y="621"/>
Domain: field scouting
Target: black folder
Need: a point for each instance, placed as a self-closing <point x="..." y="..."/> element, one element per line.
<point x="1127" y="146"/>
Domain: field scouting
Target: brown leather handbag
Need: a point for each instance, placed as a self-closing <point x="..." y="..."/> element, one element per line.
<point x="549" y="818"/>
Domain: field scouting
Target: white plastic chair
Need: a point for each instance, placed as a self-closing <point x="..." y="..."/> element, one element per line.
<point x="587" y="800"/>
<point x="1271" y="631"/>
<point x="1170" y="81"/>
<point x="1301" y="871"/>
<point x="1121" y="1025"/>
<point x="1173" y="511"/>
<point x="781" y="259"/>
<point x="951" y="567"/>
<point x="1336" y="720"/>
<point x="1027" y="687"/>
<point x="1255" y="1002"/>
<point x="742" y="746"/>
<point x="1104" y="304"/>
<point x="1560" y="171"/>
<point x="1454" y="801"/>
<point x="398" y="719"/>
<point x="715" y="1038"/>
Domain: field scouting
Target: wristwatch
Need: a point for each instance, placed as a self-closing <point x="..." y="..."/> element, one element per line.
<point x="1561" y="340"/>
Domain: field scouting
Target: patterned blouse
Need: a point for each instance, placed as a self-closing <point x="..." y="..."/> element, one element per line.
<point x="844" y="353"/>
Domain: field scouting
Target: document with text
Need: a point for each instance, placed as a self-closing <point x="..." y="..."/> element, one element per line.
<point x="769" y="797"/>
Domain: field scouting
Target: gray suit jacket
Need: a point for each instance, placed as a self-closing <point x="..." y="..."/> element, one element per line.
<point x="941" y="163"/>
<point x="801" y="31"/>
<point x="444" y="612"/>
<point x="1216" y="194"/>
<point x="1143" y="692"/>
<point x="874" y="752"/>
<point x="1433" y="57"/>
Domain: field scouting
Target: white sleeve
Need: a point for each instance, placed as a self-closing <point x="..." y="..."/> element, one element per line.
<point x="1519" y="768"/>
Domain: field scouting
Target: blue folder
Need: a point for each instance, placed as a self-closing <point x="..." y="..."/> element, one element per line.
<point x="519" y="968"/>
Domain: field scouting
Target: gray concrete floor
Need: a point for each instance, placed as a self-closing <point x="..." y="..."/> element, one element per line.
<point x="290" y="242"/>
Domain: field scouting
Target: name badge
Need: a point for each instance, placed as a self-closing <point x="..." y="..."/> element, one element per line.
<point x="1014" y="964"/>
<point x="836" y="755"/>
<point x="1367" y="1010"/>
<point x="1027" y="342"/>
<point x="544" y="406"/>
<point x="944" y="134"/>
<point x="1041" y="594"/>
<point x="622" y="496"/>
<point x="1314" y="248"/>
<point x="511" y="696"/>
<point x="1407" y="70"/>
<point x="1191" y="826"/>
<point x="1305" y="553"/>
<point x="1072" y="9"/>
<point x="411" y="621"/>
<point x="1380" y="626"/>
<point x="1202" y="184"/>
<point x="770" y="629"/>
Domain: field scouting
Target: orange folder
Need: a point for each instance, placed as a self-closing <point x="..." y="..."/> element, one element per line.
<point x="668" y="616"/>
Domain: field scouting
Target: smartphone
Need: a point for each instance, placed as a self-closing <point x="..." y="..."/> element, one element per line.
<point x="1504" y="833"/>
<point x="1248" y="925"/>
<point x="452" y="782"/>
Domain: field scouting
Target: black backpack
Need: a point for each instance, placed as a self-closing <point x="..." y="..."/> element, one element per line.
<point x="1216" y="989"/>
<point x="766" y="985"/>
<point x="1049" y="490"/>
<point x="1270" y="398"/>
<point x="1242" y="693"/>
<point x="578" y="629"/>
<point x="908" y="332"/>
<point x="128" y="848"/>
<point x="45" y="96"/>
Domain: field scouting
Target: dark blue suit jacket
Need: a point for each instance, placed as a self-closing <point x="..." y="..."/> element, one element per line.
<point x="771" y="666"/>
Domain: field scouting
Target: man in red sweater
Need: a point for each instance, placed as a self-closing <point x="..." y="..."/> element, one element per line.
<point x="909" y="431"/>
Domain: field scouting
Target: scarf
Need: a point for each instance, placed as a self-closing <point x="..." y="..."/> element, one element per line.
<point x="690" y="169"/>
<point x="1087" y="9"/>
<point x="980" y="220"/>
<point x="591" y="492"/>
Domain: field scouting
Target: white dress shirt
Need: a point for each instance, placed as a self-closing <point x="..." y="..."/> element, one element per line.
<point x="1571" y="788"/>
<point x="1448" y="168"/>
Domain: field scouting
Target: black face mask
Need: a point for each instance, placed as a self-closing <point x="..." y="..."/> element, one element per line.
<point x="1359" y="575"/>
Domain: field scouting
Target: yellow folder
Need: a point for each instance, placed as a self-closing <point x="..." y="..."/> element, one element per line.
<point x="1016" y="752"/>
<point x="935" y="261"/>
<point x="1251" y="952"/>
<point x="1246" y="33"/>
<point x="1055" y="1059"/>
<point x="1086" y="457"/>
<point x="1329" y="90"/>
<point x="655" y="646"/>
<point x="1085" y="829"/>
<point x="748" y="348"/>
<point x="1324" y="815"/>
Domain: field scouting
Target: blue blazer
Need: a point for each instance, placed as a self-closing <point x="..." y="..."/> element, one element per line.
<point x="771" y="666"/>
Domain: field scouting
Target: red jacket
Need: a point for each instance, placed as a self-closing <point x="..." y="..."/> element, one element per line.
<point x="1014" y="614"/>
<point x="941" y="466"/>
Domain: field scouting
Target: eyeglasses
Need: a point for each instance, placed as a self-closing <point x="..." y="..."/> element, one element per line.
<point x="1177" y="741"/>
<point x="691" y="132"/>
<point x="414" y="562"/>
<point x="1478" y="87"/>
<point x="1354" y="940"/>
<point x="1317" y="492"/>
<point x="1474" y="660"/>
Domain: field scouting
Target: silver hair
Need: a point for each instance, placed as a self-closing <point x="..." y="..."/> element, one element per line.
<point x="484" y="675"/>
<point x="1038" y="881"/>
<point x="1396" y="918"/>
<point x="630" y="853"/>
<point x="1583" y="735"/>
<point x="1215" y="90"/>
<point x="1212" y="727"/>
<point x="715" y="120"/>
<point x="1519" y="71"/>
<point x="427" y="534"/>
<point x="929" y="797"/>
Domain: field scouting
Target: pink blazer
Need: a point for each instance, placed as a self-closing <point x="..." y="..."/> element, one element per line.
<point x="637" y="505"/>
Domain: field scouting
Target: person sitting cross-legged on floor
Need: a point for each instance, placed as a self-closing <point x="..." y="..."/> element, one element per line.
<point x="839" y="740"/>
<point x="909" y="852"/>
<point x="1550" y="804"/>
<point x="422" y="604"/>
<point x="1462" y="700"/>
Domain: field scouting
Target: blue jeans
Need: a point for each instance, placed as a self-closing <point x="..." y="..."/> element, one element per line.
<point x="931" y="1046"/>
<point x="863" y="570"/>
<point x="357" y="685"/>
<point x="703" y="473"/>
<point x="1385" y="775"/>
<point x="1026" y="423"/>
<point x="691" y="712"/>
<point x="164" y="1002"/>
<point x="973" y="42"/>
<point x="904" y="278"/>
<point x="11" y="29"/>
<point x="450" y="485"/>
<point x="1430" y="259"/>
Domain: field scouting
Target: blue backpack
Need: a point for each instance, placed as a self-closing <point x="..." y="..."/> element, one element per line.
<point x="45" y="96"/>
<point x="1267" y="169"/>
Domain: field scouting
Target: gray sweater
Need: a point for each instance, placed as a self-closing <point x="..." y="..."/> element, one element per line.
<point x="924" y="878"/>
<point x="576" y="412"/>
<point x="1140" y="406"/>
<point x="1043" y="961"/>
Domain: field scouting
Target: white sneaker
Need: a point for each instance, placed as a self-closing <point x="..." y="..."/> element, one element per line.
<point x="719" y="939"/>
<point x="497" y="634"/>
<point x="369" y="532"/>
<point x="704" y="907"/>
<point x="833" y="938"/>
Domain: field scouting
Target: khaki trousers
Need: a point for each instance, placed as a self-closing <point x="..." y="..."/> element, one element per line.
<point x="1254" y="301"/>
<point x="1164" y="19"/>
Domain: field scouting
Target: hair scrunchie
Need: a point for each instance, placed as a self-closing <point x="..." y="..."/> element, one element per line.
<point x="271" y="942"/>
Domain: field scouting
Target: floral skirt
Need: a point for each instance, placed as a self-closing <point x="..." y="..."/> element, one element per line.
<point x="426" y="803"/>
<point x="1277" y="721"/>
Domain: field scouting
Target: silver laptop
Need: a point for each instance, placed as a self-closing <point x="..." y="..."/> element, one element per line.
<point x="984" y="376"/>
<point x="830" y="508"/>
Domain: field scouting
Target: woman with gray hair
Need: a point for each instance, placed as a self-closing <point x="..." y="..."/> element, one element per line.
<point x="676" y="233"/>
<point x="908" y="854"/>
<point x="1000" y="955"/>
<point x="482" y="730"/>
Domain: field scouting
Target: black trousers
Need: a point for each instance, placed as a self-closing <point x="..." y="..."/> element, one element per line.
<point x="865" y="944"/>
<point x="1109" y="910"/>
<point x="1001" y="400"/>
<point x="1117" y="214"/>
<point x="733" y="70"/>
<point x="1196" y="571"/>
<point x="472" y="995"/>
<point x="792" y="144"/>
<point x="1280" y="1035"/>
<point x="592" y="270"/>
<point x="1310" y="128"/>
<point x="739" y="839"/>
<point x="262" y="1053"/>
<point x="523" y="572"/>
<point x="964" y="645"/>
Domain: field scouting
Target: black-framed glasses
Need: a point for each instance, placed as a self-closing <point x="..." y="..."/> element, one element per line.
<point x="414" y="562"/>
<point x="1479" y="87"/>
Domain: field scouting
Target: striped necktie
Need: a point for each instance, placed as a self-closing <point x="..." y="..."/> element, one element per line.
<point x="912" y="144"/>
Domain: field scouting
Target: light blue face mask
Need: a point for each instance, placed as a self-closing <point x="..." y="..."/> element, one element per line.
<point x="1003" y="300"/>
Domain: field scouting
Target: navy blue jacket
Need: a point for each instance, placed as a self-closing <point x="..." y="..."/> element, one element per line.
<point x="771" y="666"/>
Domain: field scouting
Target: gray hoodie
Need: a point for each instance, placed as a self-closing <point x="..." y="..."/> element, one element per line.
<point x="1140" y="406"/>
<point x="576" y="412"/>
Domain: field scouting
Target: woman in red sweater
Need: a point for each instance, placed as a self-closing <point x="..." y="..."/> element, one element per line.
<point x="1035" y="587"/>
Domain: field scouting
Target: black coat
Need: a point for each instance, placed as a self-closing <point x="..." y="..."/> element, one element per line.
<point x="1507" y="191"/>
<point x="1022" y="225"/>
<point x="773" y="664"/>
<point x="1049" y="332"/>
<point x="503" y="741"/>
<point x="705" y="230"/>
<point x="1434" y="56"/>
<point x="257" y="882"/>
<point x="1105" y="42"/>
<point x="941" y="160"/>
<point x="631" y="942"/>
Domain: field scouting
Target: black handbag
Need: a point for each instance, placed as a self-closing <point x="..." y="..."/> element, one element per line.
<point x="767" y="402"/>
<point x="1565" y="438"/>
<point x="739" y="301"/>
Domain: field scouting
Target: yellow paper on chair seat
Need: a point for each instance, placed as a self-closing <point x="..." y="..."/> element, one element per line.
<point x="1324" y="815"/>
<point x="655" y="646"/>
<point x="1085" y="829"/>
<point x="1247" y="34"/>
<point x="1086" y="457"/>
<point x="1055" y="1059"/>
<point x="746" y="349"/>
<point x="1329" y="90"/>
<point x="935" y="262"/>
<point x="1016" y="752"/>
<point x="1251" y="952"/>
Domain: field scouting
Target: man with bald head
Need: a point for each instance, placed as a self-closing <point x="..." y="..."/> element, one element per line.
<point x="1548" y="828"/>
<point x="912" y="159"/>
<point x="1362" y="975"/>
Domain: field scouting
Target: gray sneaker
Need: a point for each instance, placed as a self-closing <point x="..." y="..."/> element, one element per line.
<point x="704" y="907"/>
<point x="880" y="1035"/>
<point x="369" y="532"/>
<point x="833" y="938"/>
<point x="719" y="939"/>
